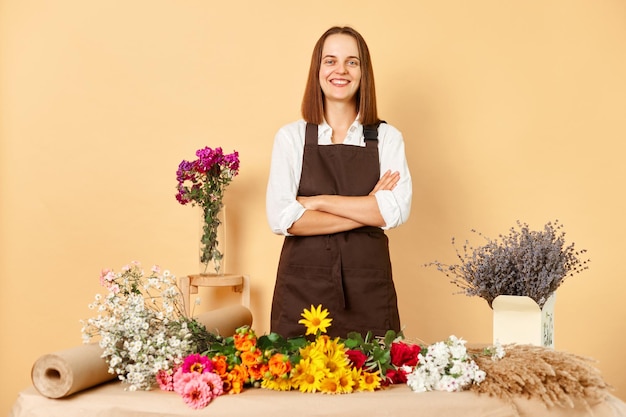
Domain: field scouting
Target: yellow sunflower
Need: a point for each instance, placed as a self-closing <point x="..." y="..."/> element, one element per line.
<point x="307" y="378"/>
<point x="345" y="380"/>
<point x="315" y="320"/>
<point x="277" y="384"/>
<point x="369" y="381"/>
<point x="330" y="385"/>
<point x="336" y="360"/>
<point x="314" y="354"/>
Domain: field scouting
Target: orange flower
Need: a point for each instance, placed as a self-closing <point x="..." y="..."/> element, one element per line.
<point x="241" y="372"/>
<point x="227" y="386"/>
<point x="237" y="377"/>
<point x="279" y="365"/>
<point x="231" y="384"/>
<point x="257" y="371"/>
<point x="250" y="358"/>
<point x="220" y="366"/>
<point x="244" y="341"/>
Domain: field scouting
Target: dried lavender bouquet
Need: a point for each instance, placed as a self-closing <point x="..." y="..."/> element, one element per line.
<point x="523" y="262"/>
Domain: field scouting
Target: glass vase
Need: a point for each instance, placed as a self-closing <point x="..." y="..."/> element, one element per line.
<point x="212" y="240"/>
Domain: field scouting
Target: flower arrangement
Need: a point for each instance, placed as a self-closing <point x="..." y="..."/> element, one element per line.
<point x="147" y="340"/>
<point x="141" y="324"/>
<point x="322" y="364"/>
<point x="523" y="262"/>
<point x="202" y="182"/>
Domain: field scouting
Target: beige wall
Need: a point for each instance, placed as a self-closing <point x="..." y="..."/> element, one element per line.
<point x="510" y="110"/>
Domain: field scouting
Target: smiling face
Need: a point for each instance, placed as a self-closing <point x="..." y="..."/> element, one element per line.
<point x="340" y="69"/>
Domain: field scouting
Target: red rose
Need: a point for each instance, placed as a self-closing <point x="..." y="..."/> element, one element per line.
<point x="396" y="376"/>
<point x="404" y="354"/>
<point x="357" y="358"/>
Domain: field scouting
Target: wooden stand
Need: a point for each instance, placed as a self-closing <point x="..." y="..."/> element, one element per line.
<point x="189" y="285"/>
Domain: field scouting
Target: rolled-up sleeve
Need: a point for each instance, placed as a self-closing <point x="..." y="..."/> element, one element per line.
<point x="282" y="209"/>
<point x="394" y="205"/>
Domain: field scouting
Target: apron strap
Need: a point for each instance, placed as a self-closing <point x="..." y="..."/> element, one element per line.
<point x="310" y="136"/>
<point x="370" y="133"/>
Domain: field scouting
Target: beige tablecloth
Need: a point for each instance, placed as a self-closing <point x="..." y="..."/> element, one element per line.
<point x="111" y="400"/>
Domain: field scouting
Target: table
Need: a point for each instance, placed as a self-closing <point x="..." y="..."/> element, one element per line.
<point x="111" y="400"/>
<point x="189" y="285"/>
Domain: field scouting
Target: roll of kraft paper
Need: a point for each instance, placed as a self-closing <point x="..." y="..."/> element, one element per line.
<point x="66" y="372"/>
<point x="224" y="321"/>
<point x="63" y="373"/>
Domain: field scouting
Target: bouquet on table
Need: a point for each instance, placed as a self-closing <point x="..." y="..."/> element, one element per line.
<point x="323" y="364"/>
<point x="141" y="324"/>
<point x="148" y="340"/>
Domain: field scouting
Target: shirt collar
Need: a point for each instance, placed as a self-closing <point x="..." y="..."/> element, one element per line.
<point x="325" y="130"/>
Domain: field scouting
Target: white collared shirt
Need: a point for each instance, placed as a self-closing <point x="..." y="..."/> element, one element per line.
<point x="286" y="167"/>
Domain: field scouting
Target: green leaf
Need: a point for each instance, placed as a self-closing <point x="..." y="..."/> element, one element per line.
<point x="355" y="338"/>
<point x="390" y="336"/>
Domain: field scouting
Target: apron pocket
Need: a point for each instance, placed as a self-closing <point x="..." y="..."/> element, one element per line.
<point x="370" y="300"/>
<point x="299" y="287"/>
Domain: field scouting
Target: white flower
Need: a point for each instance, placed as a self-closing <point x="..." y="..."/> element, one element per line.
<point x="457" y="349"/>
<point x="498" y="351"/>
<point x="445" y="366"/>
<point x="140" y="325"/>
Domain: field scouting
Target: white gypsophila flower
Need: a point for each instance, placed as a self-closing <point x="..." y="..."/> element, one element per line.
<point x="140" y="324"/>
<point x="152" y="282"/>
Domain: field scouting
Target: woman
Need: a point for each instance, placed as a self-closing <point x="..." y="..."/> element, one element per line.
<point x="332" y="193"/>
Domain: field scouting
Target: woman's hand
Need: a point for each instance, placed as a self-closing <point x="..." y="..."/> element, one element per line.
<point x="308" y="202"/>
<point x="388" y="181"/>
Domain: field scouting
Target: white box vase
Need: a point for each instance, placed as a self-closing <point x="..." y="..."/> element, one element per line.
<point x="519" y="319"/>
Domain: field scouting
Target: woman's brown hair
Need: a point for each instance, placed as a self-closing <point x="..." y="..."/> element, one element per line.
<point x="313" y="100"/>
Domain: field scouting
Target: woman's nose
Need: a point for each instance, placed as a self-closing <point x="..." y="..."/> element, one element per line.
<point x="341" y="68"/>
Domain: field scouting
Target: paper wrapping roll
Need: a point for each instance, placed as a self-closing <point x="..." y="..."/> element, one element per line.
<point x="66" y="372"/>
<point x="63" y="373"/>
<point x="224" y="321"/>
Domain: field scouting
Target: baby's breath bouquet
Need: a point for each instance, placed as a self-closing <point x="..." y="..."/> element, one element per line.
<point x="141" y="324"/>
<point x="523" y="262"/>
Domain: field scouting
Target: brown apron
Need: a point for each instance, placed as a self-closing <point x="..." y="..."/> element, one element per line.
<point x="348" y="273"/>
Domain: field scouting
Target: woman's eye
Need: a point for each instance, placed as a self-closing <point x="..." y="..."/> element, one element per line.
<point x="353" y="63"/>
<point x="329" y="61"/>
